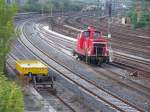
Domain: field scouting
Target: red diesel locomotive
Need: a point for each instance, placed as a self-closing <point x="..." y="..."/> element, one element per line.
<point x="92" y="47"/>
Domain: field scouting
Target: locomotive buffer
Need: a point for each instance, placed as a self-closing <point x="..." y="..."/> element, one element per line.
<point x="35" y="72"/>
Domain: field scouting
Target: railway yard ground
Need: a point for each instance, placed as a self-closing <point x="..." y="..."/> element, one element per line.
<point x="122" y="85"/>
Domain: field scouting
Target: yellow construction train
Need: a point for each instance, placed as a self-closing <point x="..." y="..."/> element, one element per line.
<point x="35" y="70"/>
<point x="34" y="67"/>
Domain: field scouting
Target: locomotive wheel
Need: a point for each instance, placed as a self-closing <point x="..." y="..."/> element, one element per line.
<point x="107" y="61"/>
<point x="92" y="61"/>
<point x="96" y="62"/>
<point x="80" y="57"/>
<point x="89" y="60"/>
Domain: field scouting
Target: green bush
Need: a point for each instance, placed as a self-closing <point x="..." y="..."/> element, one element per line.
<point x="7" y="29"/>
<point x="11" y="99"/>
<point x="143" y="20"/>
<point x="57" y="5"/>
<point x="133" y="16"/>
<point x="32" y="6"/>
<point x="139" y="24"/>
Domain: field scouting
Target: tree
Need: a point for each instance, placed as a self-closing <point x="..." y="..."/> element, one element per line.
<point x="139" y="15"/>
<point x="32" y="5"/>
<point x="49" y="6"/>
<point x="133" y="16"/>
<point x="56" y="5"/>
<point x="7" y="30"/>
<point x="11" y="99"/>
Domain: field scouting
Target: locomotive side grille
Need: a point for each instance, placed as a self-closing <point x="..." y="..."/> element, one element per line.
<point x="99" y="49"/>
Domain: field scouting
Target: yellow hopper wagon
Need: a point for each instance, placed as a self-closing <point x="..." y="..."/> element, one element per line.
<point x="35" y="70"/>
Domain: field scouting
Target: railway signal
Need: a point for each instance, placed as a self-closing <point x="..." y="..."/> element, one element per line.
<point x="109" y="6"/>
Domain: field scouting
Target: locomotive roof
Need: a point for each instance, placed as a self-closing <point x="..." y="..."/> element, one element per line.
<point x="90" y="29"/>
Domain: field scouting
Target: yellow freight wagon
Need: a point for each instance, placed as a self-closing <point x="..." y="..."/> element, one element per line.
<point x="34" y="67"/>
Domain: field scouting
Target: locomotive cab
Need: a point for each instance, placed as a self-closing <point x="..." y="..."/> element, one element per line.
<point x="92" y="46"/>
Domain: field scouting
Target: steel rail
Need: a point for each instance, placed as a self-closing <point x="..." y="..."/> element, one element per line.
<point x="66" y="104"/>
<point x="138" y="87"/>
<point x="108" y="94"/>
<point x="12" y="68"/>
<point x="136" y="60"/>
<point x="74" y="23"/>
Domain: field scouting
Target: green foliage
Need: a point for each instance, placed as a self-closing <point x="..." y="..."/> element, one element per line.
<point x="139" y="24"/>
<point x="10" y="96"/>
<point x="32" y="5"/>
<point x="65" y="5"/>
<point x="7" y="30"/>
<point x="74" y="6"/>
<point x="143" y="20"/>
<point x="11" y="99"/>
<point x="145" y="17"/>
<point x="133" y="19"/>
<point x="133" y="16"/>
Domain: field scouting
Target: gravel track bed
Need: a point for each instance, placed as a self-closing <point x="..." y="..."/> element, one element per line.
<point x="80" y="69"/>
<point x="21" y="52"/>
<point x="128" y="45"/>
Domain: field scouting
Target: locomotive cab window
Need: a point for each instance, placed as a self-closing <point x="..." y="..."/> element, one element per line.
<point x="86" y="34"/>
<point x="97" y="35"/>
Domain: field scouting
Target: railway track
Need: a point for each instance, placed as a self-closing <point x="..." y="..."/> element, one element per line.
<point x="46" y="40"/>
<point x="124" y="46"/>
<point x="56" y="43"/>
<point x="138" y="87"/>
<point x="116" y="32"/>
<point x="133" y="59"/>
<point x="10" y="65"/>
<point x="108" y="98"/>
<point x="107" y="102"/>
<point x="127" y="29"/>
<point x="129" y="49"/>
<point x="130" y="41"/>
<point x="103" y="26"/>
<point x="66" y="100"/>
<point x="45" y="90"/>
